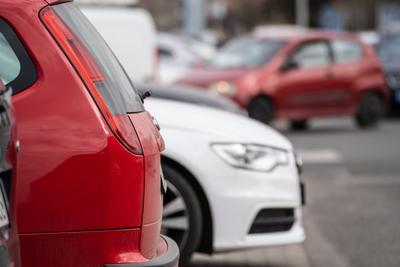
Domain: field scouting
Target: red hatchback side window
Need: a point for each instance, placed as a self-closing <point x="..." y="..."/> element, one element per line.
<point x="312" y="55"/>
<point x="16" y="67"/>
<point x="346" y="51"/>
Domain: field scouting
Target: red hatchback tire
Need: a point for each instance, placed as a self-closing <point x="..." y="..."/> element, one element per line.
<point x="370" y="111"/>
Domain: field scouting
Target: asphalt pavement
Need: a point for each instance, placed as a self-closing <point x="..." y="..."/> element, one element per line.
<point x="352" y="217"/>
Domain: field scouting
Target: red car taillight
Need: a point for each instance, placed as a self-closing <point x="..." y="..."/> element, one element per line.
<point x="92" y="77"/>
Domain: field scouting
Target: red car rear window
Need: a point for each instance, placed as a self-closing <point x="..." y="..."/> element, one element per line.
<point x="110" y="78"/>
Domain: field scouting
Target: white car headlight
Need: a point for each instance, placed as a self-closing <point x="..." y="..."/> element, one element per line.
<point x="223" y="88"/>
<point x="251" y="157"/>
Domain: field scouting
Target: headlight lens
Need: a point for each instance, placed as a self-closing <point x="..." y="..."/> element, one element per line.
<point x="223" y="88"/>
<point x="252" y="157"/>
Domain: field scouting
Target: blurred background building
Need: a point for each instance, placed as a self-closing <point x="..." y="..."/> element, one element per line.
<point x="238" y="15"/>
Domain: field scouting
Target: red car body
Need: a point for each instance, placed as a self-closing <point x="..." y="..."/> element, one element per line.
<point x="296" y="92"/>
<point x="88" y="187"/>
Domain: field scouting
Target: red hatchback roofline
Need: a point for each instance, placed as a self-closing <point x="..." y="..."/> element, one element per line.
<point x="52" y="2"/>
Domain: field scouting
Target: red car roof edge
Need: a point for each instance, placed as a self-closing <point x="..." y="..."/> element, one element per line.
<point x="52" y="2"/>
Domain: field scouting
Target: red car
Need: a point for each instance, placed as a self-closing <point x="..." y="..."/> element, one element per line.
<point x="298" y="77"/>
<point x="89" y="186"/>
<point x="9" y="246"/>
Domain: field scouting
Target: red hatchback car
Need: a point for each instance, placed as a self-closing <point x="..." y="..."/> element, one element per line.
<point x="298" y="77"/>
<point x="89" y="186"/>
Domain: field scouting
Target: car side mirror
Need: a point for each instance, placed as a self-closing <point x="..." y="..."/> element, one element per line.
<point x="290" y="65"/>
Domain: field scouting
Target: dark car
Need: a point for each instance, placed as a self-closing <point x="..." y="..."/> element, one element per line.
<point x="9" y="249"/>
<point x="389" y="52"/>
<point x="192" y="95"/>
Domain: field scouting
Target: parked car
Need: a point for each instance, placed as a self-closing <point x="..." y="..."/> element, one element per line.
<point x="177" y="56"/>
<point x="205" y="50"/>
<point x="9" y="245"/>
<point x="389" y="52"/>
<point x="370" y="37"/>
<point x="298" y="77"/>
<point x="237" y="188"/>
<point x="281" y="29"/>
<point x="115" y="23"/>
<point x="89" y="187"/>
<point x="191" y="95"/>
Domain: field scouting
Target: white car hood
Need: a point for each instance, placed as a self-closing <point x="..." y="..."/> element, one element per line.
<point x="225" y="126"/>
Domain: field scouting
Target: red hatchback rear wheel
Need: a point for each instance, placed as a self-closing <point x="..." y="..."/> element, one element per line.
<point x="370" y="110"/>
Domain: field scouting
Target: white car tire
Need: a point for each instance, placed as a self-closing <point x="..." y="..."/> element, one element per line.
<point x="182" y="214"/>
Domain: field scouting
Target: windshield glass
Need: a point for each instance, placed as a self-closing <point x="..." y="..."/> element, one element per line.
<point x="246" y="53"/>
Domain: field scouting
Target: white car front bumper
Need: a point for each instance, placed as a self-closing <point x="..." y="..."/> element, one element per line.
<point x="237" y="196"/>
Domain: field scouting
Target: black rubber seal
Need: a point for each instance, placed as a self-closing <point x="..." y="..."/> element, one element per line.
<point x="27" y="75"/>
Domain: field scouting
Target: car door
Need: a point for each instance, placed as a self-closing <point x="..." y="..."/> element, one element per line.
<point x="305" y="79"/>
<point x="348" y="66"/>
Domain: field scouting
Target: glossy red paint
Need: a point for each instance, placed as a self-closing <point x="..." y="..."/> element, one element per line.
<point x="301" y="94"/>
<point x="71" y="249"/>
<point x="149" y="135"/>
<point x="83" y="199"/>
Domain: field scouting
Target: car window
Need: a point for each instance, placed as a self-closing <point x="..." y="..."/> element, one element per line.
<point x="346" y="51"/>
<point x="312" y="55"/>
<point x="16" y="67"/>
<point x="10" y="67"/>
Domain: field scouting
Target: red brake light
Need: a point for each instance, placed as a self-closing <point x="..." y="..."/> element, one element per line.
<point x="89" y="72"/>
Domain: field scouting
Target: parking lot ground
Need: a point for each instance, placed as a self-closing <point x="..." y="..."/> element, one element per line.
<point x="353" y="194"/>
<point x="284" y="256"/>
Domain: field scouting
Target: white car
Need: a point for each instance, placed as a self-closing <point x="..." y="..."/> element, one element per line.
<point x="370" y="37"/>
<point x="279" y="29"/>
<point x="178" y="54"/>
<point x="233" y="182"/>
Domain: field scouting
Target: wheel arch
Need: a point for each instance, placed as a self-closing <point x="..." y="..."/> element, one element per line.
<point x="376" y="91"/>
<point x="263" y="95"/>
<point x="206" y="242"/>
